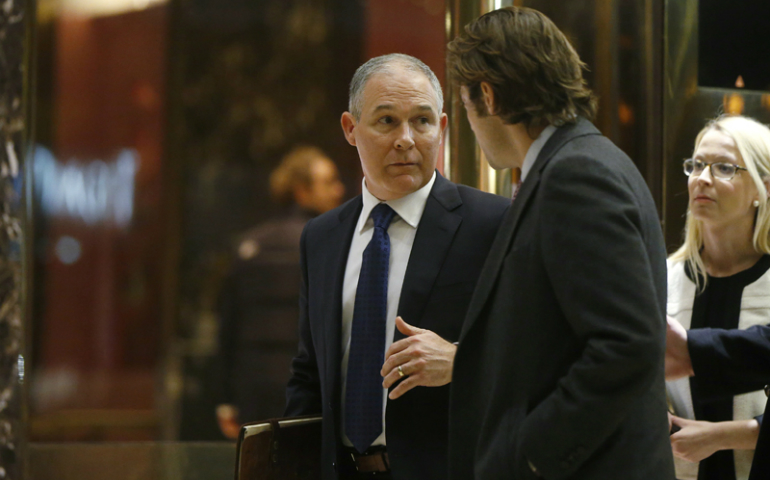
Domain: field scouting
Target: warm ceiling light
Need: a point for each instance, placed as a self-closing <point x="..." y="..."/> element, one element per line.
<point x="95" y="8"/>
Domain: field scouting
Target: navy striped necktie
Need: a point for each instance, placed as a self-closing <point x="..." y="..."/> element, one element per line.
<point x="363" y="396"/>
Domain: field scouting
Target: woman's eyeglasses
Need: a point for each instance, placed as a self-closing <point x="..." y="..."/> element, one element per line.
<point x="722" y="171"/>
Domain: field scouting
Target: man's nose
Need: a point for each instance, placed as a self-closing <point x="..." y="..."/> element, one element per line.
<point x="404" y="140"/>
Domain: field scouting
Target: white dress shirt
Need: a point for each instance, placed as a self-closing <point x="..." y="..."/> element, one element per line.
<point x="402" y="230"/>
<point x="534" y="150"/>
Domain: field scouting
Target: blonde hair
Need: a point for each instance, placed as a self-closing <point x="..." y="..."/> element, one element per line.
<point x="752" y="140"/>
<point x="294" y="169"/>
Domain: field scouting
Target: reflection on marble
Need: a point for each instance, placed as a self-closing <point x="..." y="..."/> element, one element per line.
<point x="12" y="150"/>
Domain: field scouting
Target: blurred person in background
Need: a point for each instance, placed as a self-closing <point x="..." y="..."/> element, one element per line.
<point x="258" y="302"/>
<point x="720" y="279"/>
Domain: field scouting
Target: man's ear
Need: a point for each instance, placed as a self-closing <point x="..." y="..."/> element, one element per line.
<point x="443" y="120"/>
<point x="489" y="97"/>
<point x="348" y="122"/>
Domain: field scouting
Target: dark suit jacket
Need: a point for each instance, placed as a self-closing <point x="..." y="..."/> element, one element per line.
<point x="732" y="362"/>
<point x="561" y="356"/>
<point x="451" y="244"/>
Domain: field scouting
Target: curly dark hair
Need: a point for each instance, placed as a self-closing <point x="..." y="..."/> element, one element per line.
<point x="535" y="74"/>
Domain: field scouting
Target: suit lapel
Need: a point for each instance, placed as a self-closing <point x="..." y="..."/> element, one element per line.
<point x="434" y="237"/>
<point x="505" y="236"/>
<point x="338" y="240"/>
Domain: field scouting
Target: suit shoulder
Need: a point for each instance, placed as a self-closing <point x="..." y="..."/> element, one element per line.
<point x="475" y="198"/>
<point x="596" y="151"/>
<point x="481" y="211"/>
<point x="333" y="217"/>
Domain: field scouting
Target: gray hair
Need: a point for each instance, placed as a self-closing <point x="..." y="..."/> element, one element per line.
<point x="384" y="64"/>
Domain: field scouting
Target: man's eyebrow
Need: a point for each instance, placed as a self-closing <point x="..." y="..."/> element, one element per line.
<point x="387" y="106"/>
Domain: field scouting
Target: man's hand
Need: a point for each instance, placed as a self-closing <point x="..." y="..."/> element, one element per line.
<point x="227" y="418"/>
<point x="678" y="363"/>
<point x="425" y="359"/>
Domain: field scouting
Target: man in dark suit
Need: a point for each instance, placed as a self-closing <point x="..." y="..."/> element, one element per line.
<point x="410" y="246"/>
<point x="559" y="370"/>
<point x="723" y="363"/>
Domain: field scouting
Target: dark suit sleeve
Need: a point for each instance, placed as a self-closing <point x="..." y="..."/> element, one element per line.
<point x="303" y="393"/>
<point x="729" y="362"/>
<point x="598" y="263"/>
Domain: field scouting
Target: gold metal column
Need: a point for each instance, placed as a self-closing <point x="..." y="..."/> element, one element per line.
<point x="463" y="160"/>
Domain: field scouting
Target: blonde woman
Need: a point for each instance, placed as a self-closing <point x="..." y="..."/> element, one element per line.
<point x="720" y="278"/>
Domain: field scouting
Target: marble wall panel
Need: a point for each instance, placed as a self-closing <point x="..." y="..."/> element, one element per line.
<point x="13" y="141"/>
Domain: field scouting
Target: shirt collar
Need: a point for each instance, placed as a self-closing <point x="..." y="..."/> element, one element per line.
<point x="534" y="150"/>
<point x="408" y="208"/>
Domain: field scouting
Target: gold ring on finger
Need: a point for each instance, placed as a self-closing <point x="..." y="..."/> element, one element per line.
<point x="401" y="372"/>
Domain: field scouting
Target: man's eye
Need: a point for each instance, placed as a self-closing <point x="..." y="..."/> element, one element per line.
<point x="423" y="120"/>
<point x="386" y="120"/>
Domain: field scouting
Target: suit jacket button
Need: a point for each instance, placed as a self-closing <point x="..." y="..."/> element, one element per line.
<point x="334" y="465"/>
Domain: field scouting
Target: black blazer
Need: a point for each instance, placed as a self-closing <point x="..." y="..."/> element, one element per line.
<point x="451" y="244"/>
<point x="732" y="362"/>
<point x="561" y="356"/>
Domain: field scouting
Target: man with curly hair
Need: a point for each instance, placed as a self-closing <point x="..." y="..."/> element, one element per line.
<point x="559" y="369"/>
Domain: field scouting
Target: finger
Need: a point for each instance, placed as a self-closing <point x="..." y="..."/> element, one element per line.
<point x="394" y="376"/>
<point x="405" y="328"/>
<point x="391" y="365"/>
<point x="406" y="361"/>
<point x="678" y="421"/>
<point x="396" y="359"/>
<point x="398" y="346"/>
<point x="403" y="387"/>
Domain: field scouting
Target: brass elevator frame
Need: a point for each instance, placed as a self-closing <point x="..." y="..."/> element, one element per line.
<point x="464" y="162"/>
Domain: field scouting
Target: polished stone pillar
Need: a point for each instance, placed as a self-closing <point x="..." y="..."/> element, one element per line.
<point x="14" y="135"/>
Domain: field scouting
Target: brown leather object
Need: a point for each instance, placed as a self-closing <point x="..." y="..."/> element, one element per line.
<point x="376" y="462"/>
<point x="280" y="449"/>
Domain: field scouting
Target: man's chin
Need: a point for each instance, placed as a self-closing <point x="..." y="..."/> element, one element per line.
<point x="495" y="165"/>
<point x="403" y="185"/>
